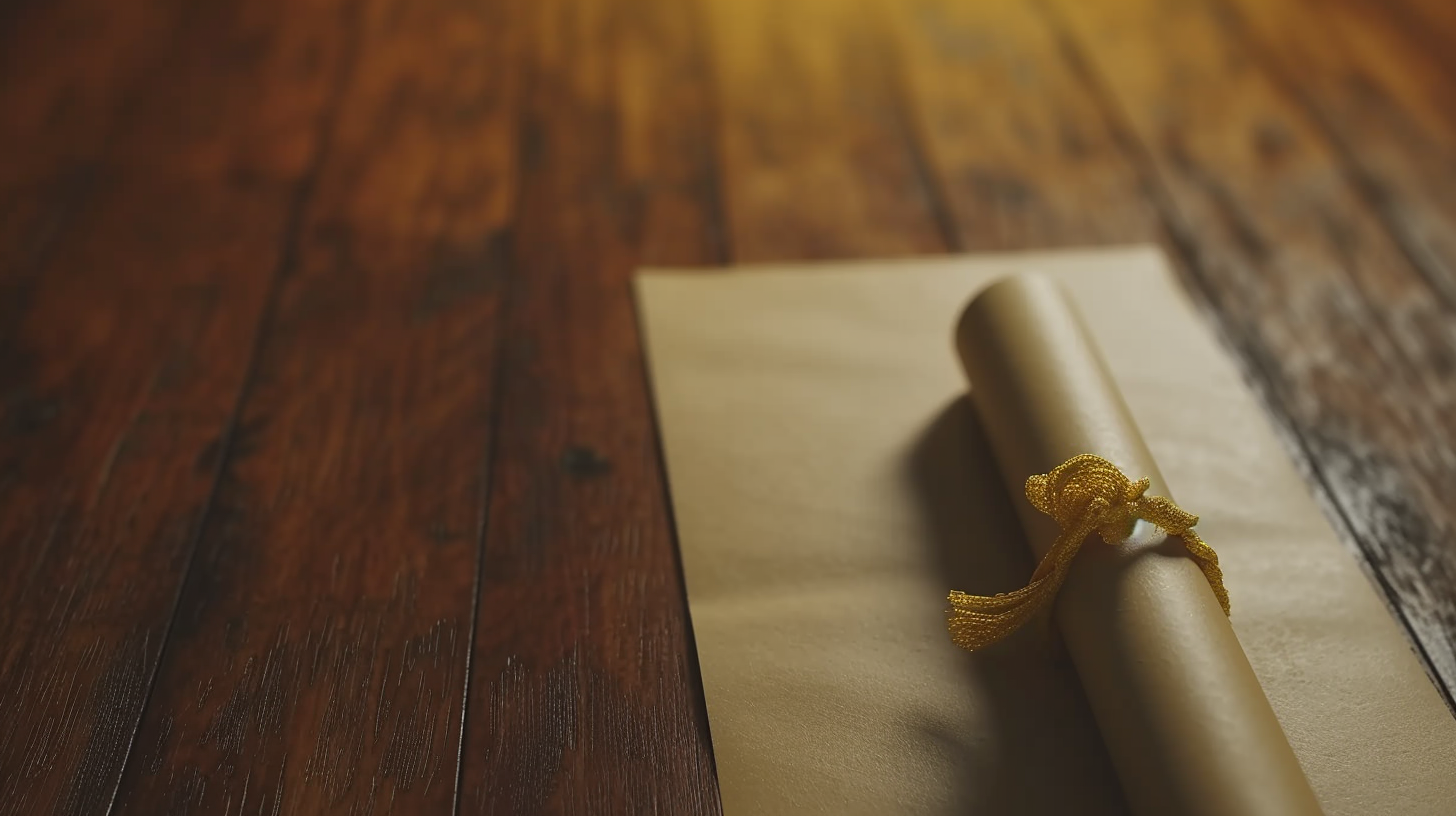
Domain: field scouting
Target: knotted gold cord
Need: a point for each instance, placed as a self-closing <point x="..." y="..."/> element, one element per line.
<point x="1083" y="494"/>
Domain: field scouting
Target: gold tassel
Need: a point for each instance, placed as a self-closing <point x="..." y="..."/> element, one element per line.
<point x="1083" y="494"/>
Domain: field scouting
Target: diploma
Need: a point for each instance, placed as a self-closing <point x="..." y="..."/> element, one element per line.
<point x="833" y="476"/>
<point x="1185" y="721"/>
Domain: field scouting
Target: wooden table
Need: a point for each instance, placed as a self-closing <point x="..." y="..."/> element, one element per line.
<point x="328" y="477"/>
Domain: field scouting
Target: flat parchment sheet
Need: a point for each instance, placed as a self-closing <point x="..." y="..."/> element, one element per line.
<point x="830" y="483"/>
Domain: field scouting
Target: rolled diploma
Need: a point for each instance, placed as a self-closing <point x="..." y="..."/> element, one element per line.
<point x="1181" y="712"/>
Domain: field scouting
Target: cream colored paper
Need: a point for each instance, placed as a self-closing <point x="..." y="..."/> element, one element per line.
<point x="830" y="484"/>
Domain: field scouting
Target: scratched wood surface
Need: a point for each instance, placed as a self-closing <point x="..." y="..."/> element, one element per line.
<point x="328" y="477"/>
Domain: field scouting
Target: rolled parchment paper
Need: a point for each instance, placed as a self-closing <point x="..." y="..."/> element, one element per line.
<point x="1184" y="719"/>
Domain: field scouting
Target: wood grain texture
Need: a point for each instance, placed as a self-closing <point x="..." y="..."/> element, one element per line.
<point x="1343" y="333"/>
<point x="318" y="660"/>
<point x="327" y="466"/>
<point x="120" y="378"/>
<point x="584" y="698"/>
<point x="818" y="159"/>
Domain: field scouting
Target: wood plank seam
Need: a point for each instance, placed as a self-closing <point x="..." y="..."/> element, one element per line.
<point x="482" y="522"/>
<point x="581" y="675"/>
<point x="1253" y="363"/>
<point x="297" y="207"/>
<point x="498" y="379"/>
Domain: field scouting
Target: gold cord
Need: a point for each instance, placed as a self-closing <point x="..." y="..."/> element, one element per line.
<point x="1083" y="494"/>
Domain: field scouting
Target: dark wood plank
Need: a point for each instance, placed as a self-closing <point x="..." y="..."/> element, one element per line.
<point x="123" y="375"/>
<point x="818" y="159"/>
<point x="71" y="71"/>
<point x="1346" y="338"/>
<point x="582" y="696"/>
<point x="318" y="663"/>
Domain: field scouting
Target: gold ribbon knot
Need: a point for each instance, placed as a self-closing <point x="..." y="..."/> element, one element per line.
<point x="1084" y="494"/>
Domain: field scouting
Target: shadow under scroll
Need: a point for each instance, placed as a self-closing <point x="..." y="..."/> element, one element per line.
<point x="1043" y="754"/>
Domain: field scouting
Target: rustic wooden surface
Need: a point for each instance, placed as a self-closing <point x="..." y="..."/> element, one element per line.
<point x="328" y="479"/>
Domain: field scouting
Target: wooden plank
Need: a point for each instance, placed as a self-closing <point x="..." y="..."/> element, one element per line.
<point x="318" y="663"/>
<point x="1346" y="338"/>
<point x="583" y="698"/>
<point x="818" y="159"/>
<point x="1026" y="158"/>
<point x="73" y="68"/>
<point x="123" y="376"/>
